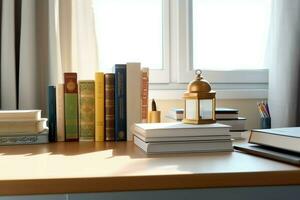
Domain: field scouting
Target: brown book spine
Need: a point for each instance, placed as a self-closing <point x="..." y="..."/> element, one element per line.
<point x="144" y="94"/>
<point x="109" y="105"/>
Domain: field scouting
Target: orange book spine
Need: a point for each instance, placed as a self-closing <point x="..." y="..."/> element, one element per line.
<point x="144" y="94"/>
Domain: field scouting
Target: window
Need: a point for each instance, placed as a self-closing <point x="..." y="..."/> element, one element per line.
<point x="231" y="34"/>
<point x="133" y="31"/>
<point x="225" y="38"/>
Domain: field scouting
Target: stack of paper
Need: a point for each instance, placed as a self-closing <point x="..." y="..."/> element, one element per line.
<point x="180" y="137"/>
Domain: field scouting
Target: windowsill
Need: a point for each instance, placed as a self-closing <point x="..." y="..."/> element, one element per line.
<point x="224" y="91"/>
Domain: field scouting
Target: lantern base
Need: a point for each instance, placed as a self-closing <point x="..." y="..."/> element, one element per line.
<point x="201" y="121"/>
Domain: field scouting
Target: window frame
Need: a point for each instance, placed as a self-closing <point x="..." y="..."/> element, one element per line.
<point x="163" y="75"/>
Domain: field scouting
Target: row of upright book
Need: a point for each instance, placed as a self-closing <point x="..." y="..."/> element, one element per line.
<point x="102" y="109"/>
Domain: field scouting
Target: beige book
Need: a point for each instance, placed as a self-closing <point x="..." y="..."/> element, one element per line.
<point x="22" y="127"/>
<point x="60" y="113"/>
<point x="20" y="115"/>
<point x="133" y="94"/>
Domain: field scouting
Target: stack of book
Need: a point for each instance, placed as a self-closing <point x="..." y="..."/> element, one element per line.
<point x="22" y="127"/>
<point x="228" y="116"/>
<point x="281" y="144"/>
<point x="178" y="137"/>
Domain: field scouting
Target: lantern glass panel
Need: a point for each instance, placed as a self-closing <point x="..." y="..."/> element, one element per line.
<point x="191" y="109"/>
<point x="206" y="108"/>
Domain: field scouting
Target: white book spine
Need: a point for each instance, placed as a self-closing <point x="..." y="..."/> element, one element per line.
<point x="60" y="119"/>
<point x="133" y="90"/>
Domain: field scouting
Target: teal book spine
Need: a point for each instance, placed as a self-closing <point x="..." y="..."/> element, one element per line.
<point x="52" y="114"/>
<point x="120" y="103"/>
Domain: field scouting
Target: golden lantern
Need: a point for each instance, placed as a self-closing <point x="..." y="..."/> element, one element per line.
<point x="200" y="102"/>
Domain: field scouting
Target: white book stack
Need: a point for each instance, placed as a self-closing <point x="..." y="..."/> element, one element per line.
<point x="177" y="137"/>
<point x="230" y="116"/>
<point x="22" y="127"/>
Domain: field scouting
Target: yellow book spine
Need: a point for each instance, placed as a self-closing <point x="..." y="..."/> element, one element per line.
<point x="99" y="106"/>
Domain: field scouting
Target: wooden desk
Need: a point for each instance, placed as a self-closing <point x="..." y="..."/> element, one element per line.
<point x="108" y="167"/>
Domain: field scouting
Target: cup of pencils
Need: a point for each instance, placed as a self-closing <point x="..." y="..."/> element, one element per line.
<point x="265" y="117"/>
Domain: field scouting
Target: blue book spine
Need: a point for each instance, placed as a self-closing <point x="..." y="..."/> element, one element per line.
<point x="120" y="103"/>
<point x="52" y="113"/>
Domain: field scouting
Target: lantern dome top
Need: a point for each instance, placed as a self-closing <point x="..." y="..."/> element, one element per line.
<point x="199" y="84"/>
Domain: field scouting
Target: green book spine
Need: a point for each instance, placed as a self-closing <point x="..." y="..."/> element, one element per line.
<point x="71" y="107"/>
<point x="71" y="117"/>
<point x="86" y="110"/>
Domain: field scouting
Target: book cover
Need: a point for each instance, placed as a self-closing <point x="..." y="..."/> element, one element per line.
<point x="71" y="107"/>
<point x="52" y="113"/>
<point x="20" y="115"/>
<point x="60" y="118"/>
<point x="12" y="139"/>
<point x="238" y="124"/>
<point x="270" y="152"/>
<point x="283" y="138"/>
<point x="86" y="110"/>
<point x="184" y="146"/>
<point x="179" y="129"/>
<point x="144" y="94"/>
<point x="120" y="102"/>
<point x="99" y="106"/>
<point x="226" y="113"/>
<point x="133" y="90"/>
<point x="109" y="106"/>
<point x="23" y="127"/>
<point x="183" y="138"/>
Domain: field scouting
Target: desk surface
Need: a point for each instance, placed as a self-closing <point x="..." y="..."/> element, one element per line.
<point x="102" y="167"/>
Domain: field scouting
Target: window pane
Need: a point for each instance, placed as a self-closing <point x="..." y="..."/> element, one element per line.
<point x="230" y="34"/>
<point x="129" y="31"/>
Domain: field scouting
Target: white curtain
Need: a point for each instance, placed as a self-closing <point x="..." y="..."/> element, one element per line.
<point x="77" y="38"/>
<point x="57" y="36"/>
<point x="8" y="73"/>
<point x="284" y="81"/>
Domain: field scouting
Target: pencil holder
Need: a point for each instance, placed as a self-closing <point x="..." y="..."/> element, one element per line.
<point x="265" y="123"/>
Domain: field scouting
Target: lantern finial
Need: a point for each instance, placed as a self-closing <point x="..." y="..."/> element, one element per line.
<point x="198" y="73"/>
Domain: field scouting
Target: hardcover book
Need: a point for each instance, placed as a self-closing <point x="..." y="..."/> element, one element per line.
<point x="20" y="115"/>
<point x="282" y="138"/>
<point x="183" y="138"/>
<point x="52" y="113"/>
<point x="183" y="146"/>
<point x="227" y="113"/>
<point x="133" y="101"/>
<point x="33" y="138"/>
<point x="270" y="152"/>
<point x="23" y="127"/>
<point x="109" y="106"/>
<point x="238" y="124"/>
<point x="71" y="107"/>
<point x="60" y="118"/>
<point x="120" y="103"/>
<point x="144" y="95"/>
<point x="99" y="106"/>
<point x="179" y="129"/>
<point x="86" y="110"/>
